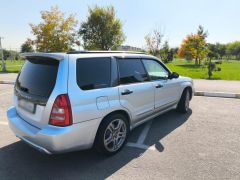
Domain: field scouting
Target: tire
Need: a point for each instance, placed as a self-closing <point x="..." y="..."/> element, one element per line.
<point x="183" y="104"/>
<point x="112" y="134"/>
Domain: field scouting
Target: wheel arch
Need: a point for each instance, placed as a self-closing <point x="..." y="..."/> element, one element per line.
<point x="190" y="89"/>
<point x="120" y="111"/>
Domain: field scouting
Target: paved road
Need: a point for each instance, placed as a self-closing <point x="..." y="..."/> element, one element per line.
<point x="203" y="144"/>
<point x="6" y="92"/>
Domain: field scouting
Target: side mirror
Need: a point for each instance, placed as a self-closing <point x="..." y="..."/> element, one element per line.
<point x="173" y="75"/>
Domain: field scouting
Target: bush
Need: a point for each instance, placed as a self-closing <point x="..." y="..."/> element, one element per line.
<point x="212" y="67"/>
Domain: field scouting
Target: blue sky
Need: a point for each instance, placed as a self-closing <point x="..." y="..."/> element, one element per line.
<point x="175" y="18"/>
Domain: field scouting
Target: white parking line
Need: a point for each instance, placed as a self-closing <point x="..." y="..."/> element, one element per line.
<point x="140" y="142"/>
<point x="3" y="123"/>
<point x="141" y="146"/>
<point x="144" y="133"/>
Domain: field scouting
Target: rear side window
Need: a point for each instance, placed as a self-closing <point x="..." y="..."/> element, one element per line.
<point x="131" y="71"/>
<point x="93" y="73"/>
<point x="38" y="76"/>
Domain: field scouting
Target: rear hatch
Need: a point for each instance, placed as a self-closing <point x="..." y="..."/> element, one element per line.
<point x="33" y="88"/>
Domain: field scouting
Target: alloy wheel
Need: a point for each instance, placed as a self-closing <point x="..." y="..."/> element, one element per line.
<point x="115" y="135"/>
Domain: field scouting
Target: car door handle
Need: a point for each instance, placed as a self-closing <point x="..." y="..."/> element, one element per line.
<point x="159" y="86"/>
<point x="126" y="92"/>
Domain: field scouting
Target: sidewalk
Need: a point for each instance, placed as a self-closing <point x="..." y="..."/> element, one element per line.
<point x="8" y="76"/>
<point x="217" y="86"/>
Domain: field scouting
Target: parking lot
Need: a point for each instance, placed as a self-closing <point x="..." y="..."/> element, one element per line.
<point x="203" y="144"/>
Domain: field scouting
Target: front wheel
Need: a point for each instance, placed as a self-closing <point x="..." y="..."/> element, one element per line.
<point x="183" y="104"/>
<point x="112" y="134"/>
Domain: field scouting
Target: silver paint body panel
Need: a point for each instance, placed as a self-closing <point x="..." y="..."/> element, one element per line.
<point x="89" y="107"/>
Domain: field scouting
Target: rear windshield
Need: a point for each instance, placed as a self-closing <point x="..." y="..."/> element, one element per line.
<point x="38" y="76"/>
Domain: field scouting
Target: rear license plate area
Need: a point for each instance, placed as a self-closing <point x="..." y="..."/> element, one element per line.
<point x="26" y="105"/>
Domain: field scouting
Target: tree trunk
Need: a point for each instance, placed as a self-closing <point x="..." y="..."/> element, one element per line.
<point x="196" y="61"/>
<point x="4" y="66"/>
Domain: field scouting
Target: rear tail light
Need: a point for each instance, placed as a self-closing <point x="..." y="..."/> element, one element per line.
<point x="61" y="114"/>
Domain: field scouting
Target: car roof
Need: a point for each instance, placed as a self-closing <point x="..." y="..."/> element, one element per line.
<point x="85" y="54"/>
<point x="103" y="52"/>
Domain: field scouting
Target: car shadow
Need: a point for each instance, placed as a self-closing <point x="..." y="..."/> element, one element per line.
<point x="163" y="125"/>
<point x="19" y="161"/>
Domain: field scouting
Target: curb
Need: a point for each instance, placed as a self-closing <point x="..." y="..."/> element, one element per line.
<point x="7" y="82"/>
<point x="217" y="94"/>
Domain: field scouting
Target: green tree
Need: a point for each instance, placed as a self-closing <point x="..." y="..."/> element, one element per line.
<point x="236" y="52"/>
<point x="212" y="53"/>
<point x="10" y="54"/>
<point x="164" y="52"/>
<point x="6" y="54"/>
<point x="171" y="54"/>
<point x="216" y="51"/>
<point x="194" y="46"/>
<point x="233" y="49"/>
<point x="27" y="46"/>
<point x="102" y="30"/>
<point x="55" y="33"/>
<point x="203" y="34"/>
<point x="211" y="66"/>
<point x="221" y="49"/>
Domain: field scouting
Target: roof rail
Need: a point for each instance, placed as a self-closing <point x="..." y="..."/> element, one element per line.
<point x="88" y="52"/>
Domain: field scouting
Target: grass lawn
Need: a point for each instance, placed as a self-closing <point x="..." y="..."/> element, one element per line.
<point x="13" y="66"/>
<point x="230" y="70"/>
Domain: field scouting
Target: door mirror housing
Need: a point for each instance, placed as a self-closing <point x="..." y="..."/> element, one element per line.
<point x="173" y="75"/>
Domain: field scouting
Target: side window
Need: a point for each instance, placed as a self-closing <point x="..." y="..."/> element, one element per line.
<point x="155" y="70"/>
<point x="93" y="73"/>
<point x="131" y="71"/>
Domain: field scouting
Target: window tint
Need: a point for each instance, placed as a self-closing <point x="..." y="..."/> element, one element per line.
<point x="131" y="71"/>
<point x="38" y="76"/>
<point x="93" y="73"/>
<point x="155" y="70"/>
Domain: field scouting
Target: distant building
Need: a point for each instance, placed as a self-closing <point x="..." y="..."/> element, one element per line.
<point x="128" y="48"/>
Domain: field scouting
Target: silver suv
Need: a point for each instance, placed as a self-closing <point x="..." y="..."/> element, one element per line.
<point x="72" y="101"/>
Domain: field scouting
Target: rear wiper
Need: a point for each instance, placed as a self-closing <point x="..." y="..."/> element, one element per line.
<point x="24" y="89"/>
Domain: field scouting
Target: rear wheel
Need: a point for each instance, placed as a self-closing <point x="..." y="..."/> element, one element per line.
<point x="183" y="104"/>
<point x="112" y="134"/>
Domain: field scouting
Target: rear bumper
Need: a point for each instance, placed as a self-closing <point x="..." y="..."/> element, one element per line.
<point x="52" y="139"/>
<point x="40" y="148"/>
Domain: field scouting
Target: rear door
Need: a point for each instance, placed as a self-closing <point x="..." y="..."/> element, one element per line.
<point x="33" y="88"/>
<point x="166" y="90"/>
<point x="135" y="90"/>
